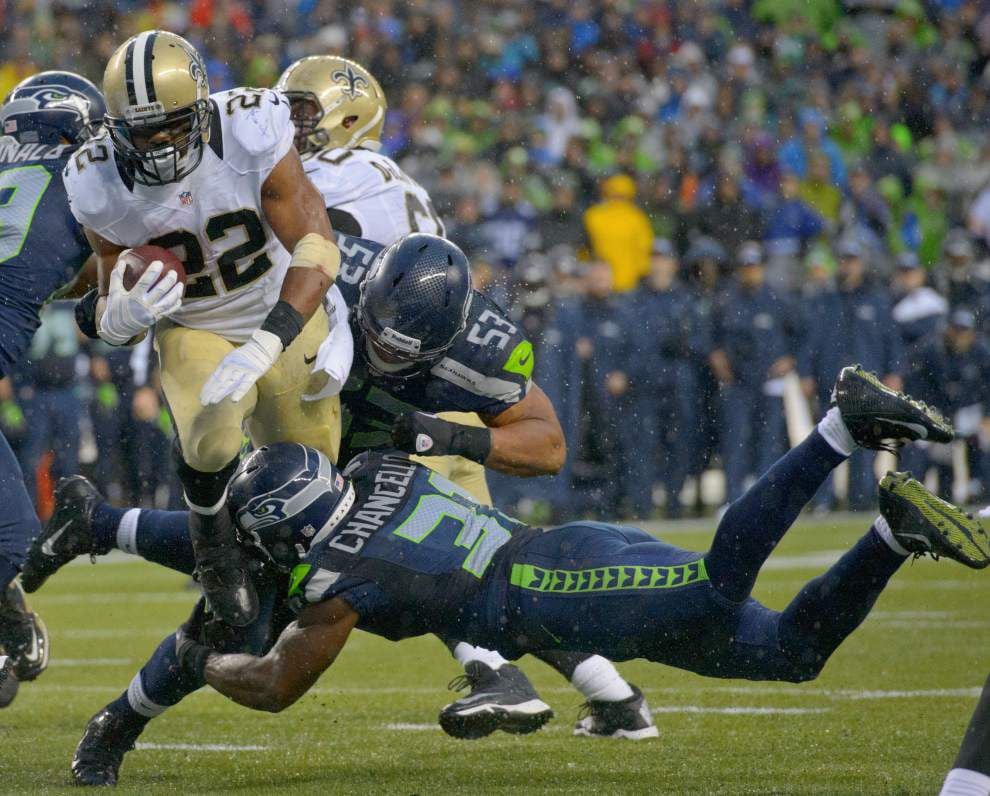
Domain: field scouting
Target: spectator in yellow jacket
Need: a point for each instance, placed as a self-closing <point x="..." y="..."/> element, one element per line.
<point x="619" y="232"/>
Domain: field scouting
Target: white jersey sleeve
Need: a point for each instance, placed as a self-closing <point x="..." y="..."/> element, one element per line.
<point x="257" y="128"/>
<point x="89" y="179"/>
<point x="371" y="191"/>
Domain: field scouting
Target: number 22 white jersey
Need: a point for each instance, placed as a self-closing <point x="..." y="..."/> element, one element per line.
<point x="369" y="187"/>
<point x="212" y="219"/>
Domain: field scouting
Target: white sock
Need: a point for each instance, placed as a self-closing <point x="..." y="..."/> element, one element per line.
<point x="465" y="653"/>
<point x="882" y="528"/>
<point x="597" y="679"/>
<point x="963" y="782"/>
<point x="833" y="428"/>
<point x="127" y="532"/>
<point x="139" y="701"/>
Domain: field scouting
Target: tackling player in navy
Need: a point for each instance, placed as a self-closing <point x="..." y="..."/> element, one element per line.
<point x="43" y="121"/>
<point x="391" y="548"/>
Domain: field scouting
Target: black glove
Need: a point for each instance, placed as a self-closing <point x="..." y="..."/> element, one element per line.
<point x="428" y="435"/>
<point x="189" y="649"/>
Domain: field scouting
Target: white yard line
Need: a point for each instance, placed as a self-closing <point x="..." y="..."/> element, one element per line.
<point x="738" y="710"/>
<point x="58" y="662"/>
<point x="200" y="747"/>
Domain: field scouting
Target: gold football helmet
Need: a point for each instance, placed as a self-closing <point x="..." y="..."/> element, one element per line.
<point x="158" y="109"/>
<point x="335" y="103"/>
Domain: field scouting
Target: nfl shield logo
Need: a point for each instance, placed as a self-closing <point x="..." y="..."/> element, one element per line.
<point x="185" y="198"/>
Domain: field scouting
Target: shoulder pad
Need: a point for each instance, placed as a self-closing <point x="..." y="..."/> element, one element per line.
<point x="342" y="175"/>
<point x="256" y="127"/>
<point x="491" y="359"/>
<point x="93" y="184"/>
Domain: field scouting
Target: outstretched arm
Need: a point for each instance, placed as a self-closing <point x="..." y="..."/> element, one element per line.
<point x="306" y="649"/>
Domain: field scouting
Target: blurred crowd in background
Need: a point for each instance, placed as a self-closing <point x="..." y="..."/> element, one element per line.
<point x="682" y="202"/>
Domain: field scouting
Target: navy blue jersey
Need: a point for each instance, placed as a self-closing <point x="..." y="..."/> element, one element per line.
<point x="413" y="555"/>
<point x="487" y="370"/>
<point x="41" y="245"/>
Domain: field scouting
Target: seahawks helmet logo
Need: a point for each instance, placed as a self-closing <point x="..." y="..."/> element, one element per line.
<point x="352" y="79"/>
<point x="49" y="97"/>
<point x="260" y="514"/>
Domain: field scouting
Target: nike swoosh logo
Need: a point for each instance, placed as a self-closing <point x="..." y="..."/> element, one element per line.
<point x="920" y="430"/>
<point x="525" y="359"/>
<point x="48" y="546"/>
<point x="33" y="654"/>
<point x="556" y="639"/>
<point x="923" y="539"/>
<point x="309" y="360"/>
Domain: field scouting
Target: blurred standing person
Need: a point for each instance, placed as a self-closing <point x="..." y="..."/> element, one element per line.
<point x="751" y="352"/>
<point x="619" y="232"/>
<point x="957" y="280"/>
<point x="588" y="349"/>
<point x="727" y="217"/>
<point x="561" y="225"/>
<point x="509" y="233"/>
<point x="666" y="340"/>
<point x="952" y="371"/>
<point x="51" y="405"/>
<point x="790" y="228"/>
<point x="918" y="309"/>
<point x="851" y="323"/>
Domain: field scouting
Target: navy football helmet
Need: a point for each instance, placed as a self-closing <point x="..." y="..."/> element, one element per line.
<point x="285" y="497"/>
<point x="51" y="106"/>
<point x="413" y="303"/>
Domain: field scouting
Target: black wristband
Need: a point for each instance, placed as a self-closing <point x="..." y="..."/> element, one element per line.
<point x="285" y="322"/>
<point x="195" y="663"/>
<point x="86" y="314"/>
<point x="471" y="442"/>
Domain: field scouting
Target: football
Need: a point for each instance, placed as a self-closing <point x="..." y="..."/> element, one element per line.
<point x="137" y="260"/>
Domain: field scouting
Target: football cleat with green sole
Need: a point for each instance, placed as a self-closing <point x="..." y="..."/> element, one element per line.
<point x="924" y="524"/>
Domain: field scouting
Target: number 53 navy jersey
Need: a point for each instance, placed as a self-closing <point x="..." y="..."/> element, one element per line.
<point x="41" y="245"/>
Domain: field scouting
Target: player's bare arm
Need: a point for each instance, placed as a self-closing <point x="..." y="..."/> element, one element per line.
<point x="295" y="211"/>
<point x="297" y="215"/>
<point x="304" y="650"/>
<point x="527" y="439"/>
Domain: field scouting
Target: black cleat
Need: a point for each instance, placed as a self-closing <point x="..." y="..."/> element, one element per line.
<point x="108" y="737"/>
<point x="924" y="524"/>
<point x="69" y="532"/>
<point x="874" y="412"/>
<point x="629" y="718"/>
<point x="22" y="634"/>
<point x="9" y="684"/>
<point x="222" y="569"/>
<point x="500" y="699"/>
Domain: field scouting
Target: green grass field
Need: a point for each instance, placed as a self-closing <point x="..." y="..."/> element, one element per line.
<point x="885" y="717"/>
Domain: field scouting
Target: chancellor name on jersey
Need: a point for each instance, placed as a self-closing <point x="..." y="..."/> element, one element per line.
<point x="367" y="195"/>
<point x="234" y="262"/>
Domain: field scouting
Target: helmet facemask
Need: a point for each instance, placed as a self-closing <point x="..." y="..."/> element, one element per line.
<point x="178" y="150"/>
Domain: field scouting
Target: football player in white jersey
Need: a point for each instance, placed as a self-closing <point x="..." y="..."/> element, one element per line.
<point x="216" y="179"/>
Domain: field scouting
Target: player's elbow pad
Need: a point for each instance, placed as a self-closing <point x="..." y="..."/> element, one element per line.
<point x="315" y="251"/>
<point x="86" y="314"/>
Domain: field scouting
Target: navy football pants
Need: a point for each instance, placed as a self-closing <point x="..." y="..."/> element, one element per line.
<point x="621" y="593"/>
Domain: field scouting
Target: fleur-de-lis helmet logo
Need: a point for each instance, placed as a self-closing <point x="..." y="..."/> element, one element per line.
<point x="352" y="79"/>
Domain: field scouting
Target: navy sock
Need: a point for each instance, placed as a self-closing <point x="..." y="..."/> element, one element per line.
<point x="163" y="537"/>
<point x="834" y="604"/>
<point x="7" y="573"/>
<point x="104" y="522"/>
<point x="755" y="523"/>
<point x="159" y="685"/>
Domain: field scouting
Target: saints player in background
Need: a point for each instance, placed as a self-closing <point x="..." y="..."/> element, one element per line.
<point x="44" y="120"/>
<point x="215" y="178"/>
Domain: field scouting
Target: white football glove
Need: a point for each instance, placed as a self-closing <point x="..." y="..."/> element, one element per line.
<point x="241" y="368"/>
<point x="129" y="312"/>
